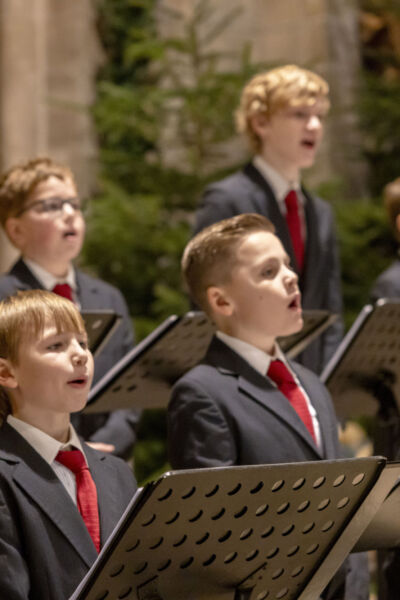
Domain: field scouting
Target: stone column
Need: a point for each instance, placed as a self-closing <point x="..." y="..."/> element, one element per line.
<point x="49" y="55"/>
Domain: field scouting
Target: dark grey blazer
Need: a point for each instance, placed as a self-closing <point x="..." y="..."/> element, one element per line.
<point x="45" y="548"/>
<point x="223" y="412"/>
<point x="247" y="191"/>
<point x="387" y="284"/>
<point x="118" y="427"/>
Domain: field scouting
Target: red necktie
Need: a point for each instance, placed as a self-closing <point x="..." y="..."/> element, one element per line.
<point x="283" y="378"/>
<point x="64" y="290"/>
<point x="294" y="224"/>
<point x="86" y="493"/>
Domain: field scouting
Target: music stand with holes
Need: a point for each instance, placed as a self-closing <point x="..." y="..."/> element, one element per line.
<point x="264" y="531"/>
<point x="100" y="325"/>
<point x="363" y="378"/>
<point x="144" y="377"/>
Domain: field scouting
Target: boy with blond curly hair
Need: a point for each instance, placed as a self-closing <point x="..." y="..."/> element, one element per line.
<point x="281" y="114"/>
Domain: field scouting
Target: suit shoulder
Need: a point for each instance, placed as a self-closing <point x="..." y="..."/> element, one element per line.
<point x="234" y="185"/>
<point x="101" y="286"/>
<point x="388" y="283"/>
<point x="8" y="285"/>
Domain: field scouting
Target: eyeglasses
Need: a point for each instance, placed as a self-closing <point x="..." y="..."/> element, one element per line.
<point x="52" y="206"/>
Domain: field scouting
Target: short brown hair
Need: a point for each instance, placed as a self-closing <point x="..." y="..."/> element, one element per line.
<point x="17" y="183"/>
<point x="24" y="316"/>
<point x="275" y="89"/>
<point x="391" y="199"/>
<point x="210" y="256"/>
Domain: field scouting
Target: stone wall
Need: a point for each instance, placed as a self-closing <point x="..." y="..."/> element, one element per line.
<point x="49" y="54"/>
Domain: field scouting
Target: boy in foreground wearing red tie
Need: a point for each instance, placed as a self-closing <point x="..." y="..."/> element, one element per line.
<point x="59" y="498"/>
<point x="247" y="403"/>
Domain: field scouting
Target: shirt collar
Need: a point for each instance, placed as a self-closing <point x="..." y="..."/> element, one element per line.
<point x="257" y="358"/>
<point x="48" y="280"/>
<point x="44" y="444"/>
<point x="280" y="185"/>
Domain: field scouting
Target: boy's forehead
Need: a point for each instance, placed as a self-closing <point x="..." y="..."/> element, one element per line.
<point x="52" y="186"/>
<point x="257" y="244"/>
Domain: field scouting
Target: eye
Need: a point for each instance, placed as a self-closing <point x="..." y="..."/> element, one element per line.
<point x="83" y="344"/>
<point x="268" y="272"/>
<point x="55" y="346"/>
<point x="52" y="205"/>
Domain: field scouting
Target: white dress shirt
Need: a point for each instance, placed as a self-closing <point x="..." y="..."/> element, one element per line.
<point x="48" y="448"/>
<point x="281" y="187"/>
<point x="48" y="280"/>
<point x="260" y="361"/>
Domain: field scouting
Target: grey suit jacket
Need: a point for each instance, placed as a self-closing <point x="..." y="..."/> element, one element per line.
<point x="223" y="412"/>
<point x="247" y="191"/>
<point x="117" y="427"/>
<point x="45" y="547"/>
<point x="387" y="284"/>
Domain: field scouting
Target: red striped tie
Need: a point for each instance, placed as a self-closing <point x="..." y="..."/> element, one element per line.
<point x="86" y="493"/>
<point x="283" y="378"/>
<point x="294" y="224"/>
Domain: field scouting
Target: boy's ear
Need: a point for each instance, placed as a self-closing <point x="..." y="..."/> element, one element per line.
<point x="14" y="230"/>
<point x="219" y="301"/>
<point x="259" y="124"/>
<point x="7" y="377"/>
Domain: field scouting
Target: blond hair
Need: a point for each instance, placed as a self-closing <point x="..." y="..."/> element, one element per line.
<point x="391" y="200"/>
<point x="210" y="256"/>
<point x="24" y="316"/>
<point x="18" y="183"/>
<point x="273" y="90"/>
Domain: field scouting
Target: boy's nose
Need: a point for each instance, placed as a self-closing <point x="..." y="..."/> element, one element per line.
<point x="79" y="355"/>
<point x="314" y="122"/>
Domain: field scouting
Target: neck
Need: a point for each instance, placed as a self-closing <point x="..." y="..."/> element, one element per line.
<point x="56" y="426"/>
<point x="59" y="270"/>
<point x="288" y="171"/>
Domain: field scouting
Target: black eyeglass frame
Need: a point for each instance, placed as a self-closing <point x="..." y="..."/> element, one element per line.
<point x="57" y="202"/>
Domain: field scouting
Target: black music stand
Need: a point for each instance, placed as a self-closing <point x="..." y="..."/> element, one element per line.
<point x="314" y="324"/>
<point x="143" y="378"/>
<point x="363" y="376"/>
<point x="267" y="531"/>
<point x="100" y="326"/>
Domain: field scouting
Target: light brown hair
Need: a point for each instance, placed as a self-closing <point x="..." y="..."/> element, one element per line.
<point x="391" y="199"/>
<point x="24" y="316"/>
<point x="18" y="183"/>
<point x="273" y="90"/>
<point x="210" y="256"/>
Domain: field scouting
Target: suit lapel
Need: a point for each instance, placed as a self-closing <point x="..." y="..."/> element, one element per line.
<point x="267" y="205"/>
<point x="87" y="291"/>
<point x="258" y="389"/>
<point x="39" y="482"/>
<point x="25" y="280"/>
<point x="312" y="256"/>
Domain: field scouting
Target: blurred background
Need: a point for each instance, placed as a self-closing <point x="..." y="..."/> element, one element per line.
<point x="137" y="97"/>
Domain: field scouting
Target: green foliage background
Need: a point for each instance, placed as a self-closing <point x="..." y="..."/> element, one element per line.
<point x="141" y="216"/>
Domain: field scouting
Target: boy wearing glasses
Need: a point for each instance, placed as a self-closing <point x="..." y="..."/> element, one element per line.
<point x="40" y="211"/>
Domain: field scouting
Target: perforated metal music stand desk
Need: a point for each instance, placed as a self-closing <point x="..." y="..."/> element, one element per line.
<point x="267" y="531"/>
<point x="143" y="378"/>
<point x="100" y="326"/>
<point x="369" y="354"/>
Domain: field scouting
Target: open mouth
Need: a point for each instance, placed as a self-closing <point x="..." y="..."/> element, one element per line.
<point x="69" y="234"/>
<point x="308" y="144"/>
<point x="78" y="382"/>
<point x="295" y="303"/>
